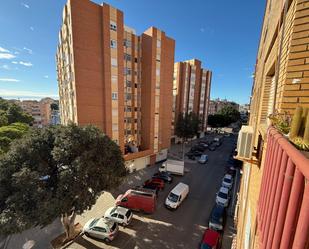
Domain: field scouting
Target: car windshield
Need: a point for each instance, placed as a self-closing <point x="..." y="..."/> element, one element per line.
<point x="113" y="227"/>
<point x="227" y="180"/>
<point x="203" y="157"/>
<point x="94" y="222"/>
<point x="205" y="246"/>
<point x="128" y="213"/>
<point x="113" y="210"/>
<point x="222" y="195"/>
<point x="172" y="197"/>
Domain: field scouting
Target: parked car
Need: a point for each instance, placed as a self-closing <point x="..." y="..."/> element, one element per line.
<point x="212" y="148"/>
<point x="138" y="199"/>
<point x="190" y="155"/>
<point x="217" y="144"/>
<point x="120" y="215"/>
<point x="155" y="181"/>
<point x="231" y="171"/>
<point x="165" y="176"/>
<point x="176" y="167"/>
<point x="223" y="197"/>
<point x="217" y="217"/>
<point x="227" y="181"/>
<point x="177" y="195"/>
<point x="211" y="240"/>
<point x="203" y="159"/>
<point x="101" y="228"/>
<point x="197" y="153"/>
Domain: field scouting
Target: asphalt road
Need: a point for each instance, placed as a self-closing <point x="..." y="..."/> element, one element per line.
<point x="182" y="228"/>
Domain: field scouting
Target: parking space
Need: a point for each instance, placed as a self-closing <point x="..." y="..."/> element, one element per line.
<point x="182" y="228"/>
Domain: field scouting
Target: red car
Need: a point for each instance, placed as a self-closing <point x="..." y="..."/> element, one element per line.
<point x="155" y="181"/>
<point x="211" y="240"/>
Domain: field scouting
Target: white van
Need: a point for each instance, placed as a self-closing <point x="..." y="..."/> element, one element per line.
<point x="177" y="195"/>
<point x="173" y="166"/>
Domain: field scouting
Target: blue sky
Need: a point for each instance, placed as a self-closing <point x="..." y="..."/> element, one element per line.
<point x="224" y="35"/>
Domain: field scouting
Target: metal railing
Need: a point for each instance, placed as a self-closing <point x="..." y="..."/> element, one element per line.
<point x="283" y="206"/>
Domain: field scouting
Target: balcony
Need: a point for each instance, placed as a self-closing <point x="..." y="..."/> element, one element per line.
<point x="283" y="206"/>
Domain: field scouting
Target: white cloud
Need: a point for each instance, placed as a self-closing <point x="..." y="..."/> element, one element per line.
<point x="31" y="28"/>
<point x="15" y="62"/>
<point x="28" y="50"/>
<point x="46" y="76"/>
<point x="6" y="67"/>
<point x="26" y="64"/>
<point x="25" y="5"/>
<point x="25" y="94"/>
<point x="3" y="50"/>
<point x="9" y="80"/>
<point x="6" y="56"/>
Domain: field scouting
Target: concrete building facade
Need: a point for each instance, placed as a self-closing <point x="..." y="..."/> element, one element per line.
<point x="116" y="80"/>
<point x="191" y="90"/>
<point x="273" y="202"/>
<point x="41" y="111"/>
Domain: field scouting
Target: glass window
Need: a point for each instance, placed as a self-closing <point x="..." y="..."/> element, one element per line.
<point x="114" y="62"/>
<point x="128" y="83"/>
<point x="127" y="43"/>
<point x="113" y="25"/>
<point x="113" y="44"/>
<point x="120" y="216"/>
<point x="158" y="72"/>
<point x="114" y="96"/>
<point x="127" y="57"/>
<point x="127" y="71"/>
<point x="128" y="96"/>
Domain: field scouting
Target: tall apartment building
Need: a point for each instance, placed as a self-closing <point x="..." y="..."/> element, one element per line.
<point x="273" y="208"/>
<point x="191" y="90"/>
<point x="119" y="81"/>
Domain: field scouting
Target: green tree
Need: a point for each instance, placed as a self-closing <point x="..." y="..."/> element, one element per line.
<point x="218" y="120"/>
<point x="16" y="114"/>
<point x="53" y="172"/>
<point x="54" y="107"/>
<point x="230" y="112"/>
<point x="11" y="132"/>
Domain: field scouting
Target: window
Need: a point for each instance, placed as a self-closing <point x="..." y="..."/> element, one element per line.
<point x="135" y="59"/>
<point x="120" y="216"/>
<point x="127" y="57"/>
<point x="113" y="44"/>
<point x="128" y="83"/>
<point x="128" y="109"/>
<point x="158" y="44"/>
<point x="113" y="26"/>
<point x="158" y="57"/>
<point x="127" y="71"/>
<point x="127" y="43"/>
<point x="114" y="96"/>
<point x="158" y="72"/>
<point x="114" y="62"/>
<point x="128" y="96"/>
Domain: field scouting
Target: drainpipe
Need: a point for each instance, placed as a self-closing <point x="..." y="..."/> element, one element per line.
<point x="279" y="55"/>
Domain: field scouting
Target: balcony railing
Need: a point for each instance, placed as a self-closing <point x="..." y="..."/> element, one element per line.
<point x="283" y="208"/>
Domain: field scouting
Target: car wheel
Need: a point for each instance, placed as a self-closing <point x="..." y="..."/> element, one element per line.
<point x="87" y="234"/>
<point x="107" y="240"/>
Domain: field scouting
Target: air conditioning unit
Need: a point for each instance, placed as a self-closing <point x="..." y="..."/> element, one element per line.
<point x="244" y="143"/>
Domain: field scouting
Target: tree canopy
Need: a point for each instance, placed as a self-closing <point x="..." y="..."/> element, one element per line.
<point x="227" y="115"/>
<point x="12" y="113"/>
<point x="230" y="113"/>
<point x="187" y="125"/>
<point x="54" y="170"/>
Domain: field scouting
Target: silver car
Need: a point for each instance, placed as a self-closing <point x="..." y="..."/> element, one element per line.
<point x="101" y="228"/>
<point x="119" y="214"/>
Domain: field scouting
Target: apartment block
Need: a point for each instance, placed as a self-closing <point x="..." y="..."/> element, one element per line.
<point x="117" y="80"/>
<point x="273" y="203"/>
<point x="191" y="90"/>
<point x="41" y="111"/>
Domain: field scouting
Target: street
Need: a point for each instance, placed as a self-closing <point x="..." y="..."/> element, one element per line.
<point x="182" y="228"/>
